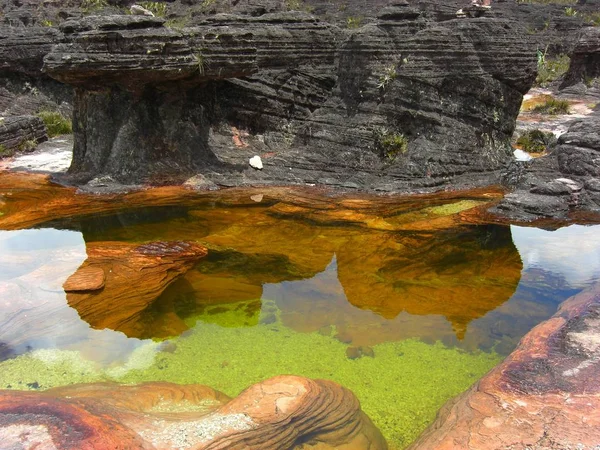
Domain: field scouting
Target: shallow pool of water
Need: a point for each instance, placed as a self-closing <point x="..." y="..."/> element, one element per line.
<point x="407" y="308"/>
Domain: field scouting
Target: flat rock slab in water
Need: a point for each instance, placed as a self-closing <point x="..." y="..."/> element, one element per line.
<point x="282" y="412"/>
<point x="545" y="395"/>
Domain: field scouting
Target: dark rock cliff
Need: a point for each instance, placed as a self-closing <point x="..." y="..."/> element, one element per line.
<point x="321" y="104"/>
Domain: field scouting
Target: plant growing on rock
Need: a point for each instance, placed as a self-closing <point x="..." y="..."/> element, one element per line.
<point x="56" y="123"/>
<point x="353" y="22"/>
<point x="389" y="144"/>
<point x="159" y="9"/>
<point x="27" y="145"/>
<point x="551" y="69"/>
<point x="90" y="5"/>
<point x="201" y="63"/>
<point x="389" y="74"/>
<point x="536" y="141"/>
<point x="570" y="12"/>
<point x="4" y="152"/>
<point x="552" y="106"/>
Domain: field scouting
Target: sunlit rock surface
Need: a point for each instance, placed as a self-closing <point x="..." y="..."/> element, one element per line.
<point x="545" y="395"/>
<point x="282" y="412"/>
<point x="119" y="280"/>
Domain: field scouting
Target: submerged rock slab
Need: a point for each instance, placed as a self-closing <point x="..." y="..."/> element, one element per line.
<point x="282" y="412"/>
<point x="101" y="289"/>
<point x="545" y="395"/>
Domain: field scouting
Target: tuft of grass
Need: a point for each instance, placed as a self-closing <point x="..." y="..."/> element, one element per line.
<point x="551" y="69"/>
<point x="5" y="152"/>
<point x="570" y="11"/>
<point x="55" y="123"/>
<point x="27" y="145"/>
<point x="91" y="5"/>
<point x="592" y="18"/>
<point x="159" y="9"/>
<point x="47" y="23"/>
<point x="353" y="22"/>
<point x="552" y="106"/>
<point x="389" y="144"/>
<point x="535" y="141"/>
<point x="389" y="75"/>
<point x="201" y="63"/>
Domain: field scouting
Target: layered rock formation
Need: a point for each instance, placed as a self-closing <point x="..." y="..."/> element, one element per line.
<point x="585" y="59"/>
<point x="282" y="412"/>
<point x="21" y="133"/>
<point x="562" y="183"/>
<point x="545" y="395"/>
<point x="322" y="105"/>
<point x="100" y="290"/>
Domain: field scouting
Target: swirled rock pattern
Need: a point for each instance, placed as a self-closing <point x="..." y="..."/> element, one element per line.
<point x="545" y="395"/>
<point x="282" y="412"/>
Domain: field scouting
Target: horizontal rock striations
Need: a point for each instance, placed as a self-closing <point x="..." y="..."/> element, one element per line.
<point x="21" y="133"/>
<point x="282" y="412"/>
<point x="399" y="103"/>
<point x="585" y="59"/>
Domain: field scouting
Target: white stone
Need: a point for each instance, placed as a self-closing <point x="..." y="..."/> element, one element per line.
<point x="520" y="155"/>
<point x="256" y="198"/>
<point x="256" y="162"/>
<point x="138" y="10"/>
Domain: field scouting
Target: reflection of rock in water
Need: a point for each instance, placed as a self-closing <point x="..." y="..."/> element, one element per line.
<point x="135" y="276"/>
<point x="461" y="274"/>
<point x="6" y="351"/>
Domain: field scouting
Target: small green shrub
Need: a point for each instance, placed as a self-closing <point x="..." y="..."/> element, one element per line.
<point x="570" y="12"/>
<point x="551" y="69"/>
<point x="55" y="123"/>
<point x="159" y="9"/>
<point x="592" y="19"/>
<point x="389" y="74"/>
<point x="353" y="22"/>
<point x="552" y="106"/>
<point x="27" y="145"/>
<point x="47" y="23"/>
<point x="389" y="144"/>
<point x="4" y="152"/>
<point x="535" y="141"/>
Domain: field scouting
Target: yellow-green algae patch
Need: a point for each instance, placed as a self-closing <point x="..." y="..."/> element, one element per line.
<point x="400" y="388"/>
<point x="449" y="209"/>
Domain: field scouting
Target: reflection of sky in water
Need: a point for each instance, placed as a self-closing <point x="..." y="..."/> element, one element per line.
<point x="573" y="252"/>
<point x="33" y="309"/>
<point x="35" y="263"/>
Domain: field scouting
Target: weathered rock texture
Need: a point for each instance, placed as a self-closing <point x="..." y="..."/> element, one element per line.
<point x="585" y="59"/>
<point x="545" y="395"/>
<point x="282" y="412"/>
<point x="101" y="289"/>
<point x="21" y="133"/>
<point x="562" y="183"/>
<point x="321" y="104"/>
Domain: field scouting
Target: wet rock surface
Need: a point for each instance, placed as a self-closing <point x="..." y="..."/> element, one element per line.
<point x="545" y="395"/>
<point x="281" y="412"/>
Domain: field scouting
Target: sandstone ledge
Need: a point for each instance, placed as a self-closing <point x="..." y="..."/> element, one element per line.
<point x="545" y="395"/>
<point x="282" y="412"/>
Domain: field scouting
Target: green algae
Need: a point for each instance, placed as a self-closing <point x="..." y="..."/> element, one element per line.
<point x="401" y="388"/>
<point x="449" y="209"/>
